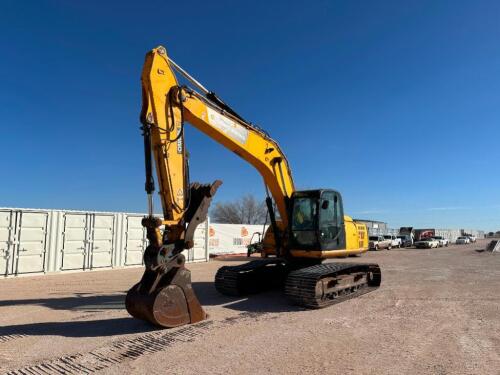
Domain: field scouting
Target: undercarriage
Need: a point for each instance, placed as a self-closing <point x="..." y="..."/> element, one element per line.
<point x="310" y="286"/>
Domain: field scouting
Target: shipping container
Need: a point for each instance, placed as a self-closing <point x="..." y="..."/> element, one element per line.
<point x="34" y="241"/>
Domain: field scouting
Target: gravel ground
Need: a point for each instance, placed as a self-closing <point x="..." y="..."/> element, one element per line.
<point x="437" y="312"/>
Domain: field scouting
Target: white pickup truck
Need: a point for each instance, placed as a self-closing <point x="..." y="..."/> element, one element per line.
<point x="378" y="243"/>
<point x="442" y="241"/>
<point x="395" y="241"/>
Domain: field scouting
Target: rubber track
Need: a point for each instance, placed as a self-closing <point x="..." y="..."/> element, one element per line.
<point x="248" y="278"/>
<point x="300" y="285"/>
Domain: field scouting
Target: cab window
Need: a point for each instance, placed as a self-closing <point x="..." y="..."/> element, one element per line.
<point x="304" y="214"/>
<point x="330" y="217"/>
<point x="304" y="221"/>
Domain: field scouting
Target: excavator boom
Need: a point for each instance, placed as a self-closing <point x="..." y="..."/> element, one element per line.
<point x="166" y="107"/>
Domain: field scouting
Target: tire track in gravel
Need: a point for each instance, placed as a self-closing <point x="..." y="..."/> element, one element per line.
<point x="6" y="338"/>
<point x="121" y="351"/>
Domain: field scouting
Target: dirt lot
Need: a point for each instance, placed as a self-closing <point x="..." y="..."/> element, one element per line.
<point x="437" y="312"/>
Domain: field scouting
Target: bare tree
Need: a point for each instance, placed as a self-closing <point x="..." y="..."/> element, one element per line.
<point x="246" y="210"/>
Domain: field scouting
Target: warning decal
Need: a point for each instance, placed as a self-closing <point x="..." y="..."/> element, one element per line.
<point x="229" y="127"/>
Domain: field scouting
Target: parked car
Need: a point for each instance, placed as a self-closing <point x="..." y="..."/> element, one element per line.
<point x="462" y="240"/>
<point x="395" y="241"/>
<point x="427" y="243"/>
<point x="472" y="239"/>
<point x="379" y="242"/>
<point x="442" y="241"/>
<point x="406" y="240"/>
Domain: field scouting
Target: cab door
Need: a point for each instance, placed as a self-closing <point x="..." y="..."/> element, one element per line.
<point x="331" y="231"/>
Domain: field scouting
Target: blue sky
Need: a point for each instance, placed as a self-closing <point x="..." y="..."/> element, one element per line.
<point x="394" y="103"/>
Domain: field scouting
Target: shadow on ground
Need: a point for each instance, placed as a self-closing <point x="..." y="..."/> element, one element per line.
<point x="79" y="301"/>
<point x="233" y="258"/>
<point x="270" y="301"/>
<point x="89" y="328"/>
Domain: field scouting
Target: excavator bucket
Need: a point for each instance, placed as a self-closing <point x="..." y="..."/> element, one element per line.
<point x="173" y="303"/>
<point x="165" y="296"/>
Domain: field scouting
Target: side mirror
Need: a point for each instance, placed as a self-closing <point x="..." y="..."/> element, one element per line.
<point x="325" y="205"/>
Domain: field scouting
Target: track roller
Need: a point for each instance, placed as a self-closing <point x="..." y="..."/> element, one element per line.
<point x="326" y="284"/>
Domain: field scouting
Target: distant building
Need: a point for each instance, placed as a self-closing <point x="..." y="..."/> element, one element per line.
<point x="374" y="226"/>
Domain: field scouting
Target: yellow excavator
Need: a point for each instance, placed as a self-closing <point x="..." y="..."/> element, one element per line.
<point x="306" y="227"/>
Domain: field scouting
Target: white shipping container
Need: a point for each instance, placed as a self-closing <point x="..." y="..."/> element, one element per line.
<point x="31" y="244"/>
<point x="7" y="233"/>
<point x="34" y="241"/>
<point x="75" y="239"/>
<point x="23" y="241"/>
<point x="135" y="240"/>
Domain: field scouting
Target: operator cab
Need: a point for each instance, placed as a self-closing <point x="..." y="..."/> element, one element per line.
<point x="317" y="220"/>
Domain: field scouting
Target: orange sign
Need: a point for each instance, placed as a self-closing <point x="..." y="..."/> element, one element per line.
<point x="244" y="232"/>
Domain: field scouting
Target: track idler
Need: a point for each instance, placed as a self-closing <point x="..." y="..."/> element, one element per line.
<point x="166" y="300"/>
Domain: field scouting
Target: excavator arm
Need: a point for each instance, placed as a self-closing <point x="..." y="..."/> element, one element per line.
<point x="166" y="108"/>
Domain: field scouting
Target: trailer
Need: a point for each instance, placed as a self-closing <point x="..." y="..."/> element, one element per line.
<point x="421" y="234"/>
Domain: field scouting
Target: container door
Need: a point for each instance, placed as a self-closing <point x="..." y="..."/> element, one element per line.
<point x="102" y="240"/>
<point x="75" y="241"/>
<point x="32" y="242"/>
<point x="135" y="241"/>
<point x="7" y="232"/>
<point x="199" y="251"/>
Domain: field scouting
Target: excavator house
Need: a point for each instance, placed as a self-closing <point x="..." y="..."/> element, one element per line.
<point x="306" y="227"/>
